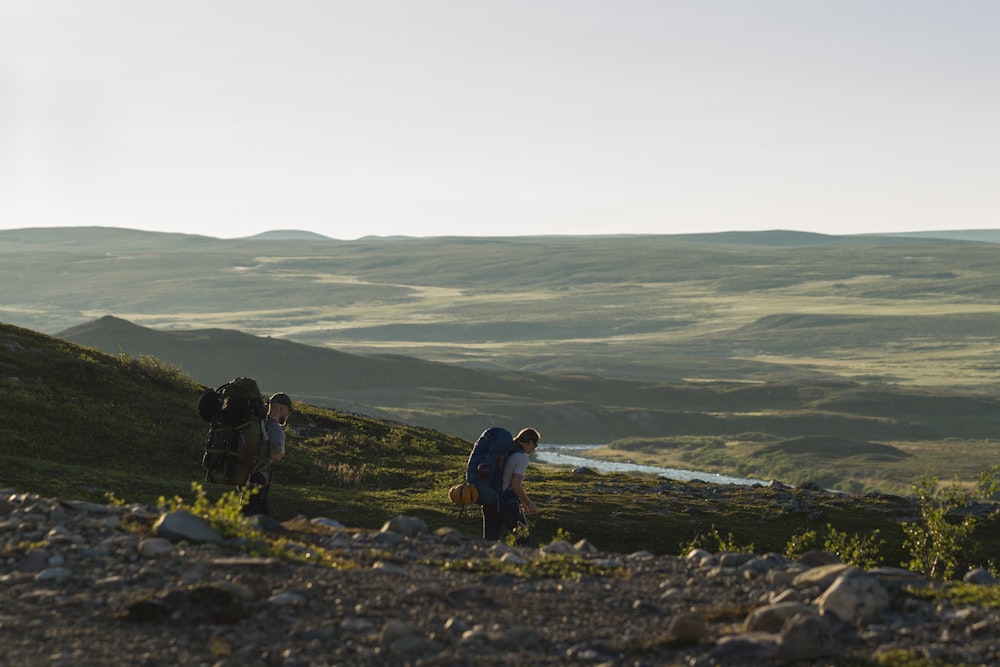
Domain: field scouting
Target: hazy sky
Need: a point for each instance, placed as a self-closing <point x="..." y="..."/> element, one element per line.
<point x="433" y="117"/>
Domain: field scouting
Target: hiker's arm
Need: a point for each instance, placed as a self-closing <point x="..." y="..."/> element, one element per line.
<point x="276" y="456"/>
<point x="515" y="486"/>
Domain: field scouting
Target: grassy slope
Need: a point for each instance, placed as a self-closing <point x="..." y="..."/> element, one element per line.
<point x="719" y="424"/>
<point x="81" y="424"/>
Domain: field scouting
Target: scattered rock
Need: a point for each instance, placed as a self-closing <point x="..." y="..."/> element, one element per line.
<point x="854" y="597"/>
<point x="154" y="547"/>
<point x="806" y="636"/>
<point x="822" y="576"/>
<point x="182" y="525"/>
<point x="405" y="596"/>
<point x="686" y="628"/>
<point x="558" y="547"/>
<point x="773" y="617"/>
<point x="980" y="577"/>
<point x="408" y="526"/>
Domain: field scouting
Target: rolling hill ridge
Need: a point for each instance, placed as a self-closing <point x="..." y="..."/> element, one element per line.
<point x="579" y="408"/>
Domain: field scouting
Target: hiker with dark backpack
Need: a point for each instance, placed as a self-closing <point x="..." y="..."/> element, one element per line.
<point x="508" y="512"/>
<point x="279" y="409"/>
<point x="244" y="439"/>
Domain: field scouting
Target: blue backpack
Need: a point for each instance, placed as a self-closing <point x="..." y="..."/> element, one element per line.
<point x="485" y="468"/>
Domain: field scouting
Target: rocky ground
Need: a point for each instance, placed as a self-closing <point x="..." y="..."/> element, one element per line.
<point x="86" y="584"/>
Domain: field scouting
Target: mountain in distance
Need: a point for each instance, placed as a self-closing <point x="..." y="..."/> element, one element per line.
<point x="972" y="235"/>
<point x="448" y="397"/>
<point x="319" y="375"/>
<point x="73" y="237"/>
<point x="118" y="239"/>
<point x="289" y="235"/>
<point x="94" y="238"/>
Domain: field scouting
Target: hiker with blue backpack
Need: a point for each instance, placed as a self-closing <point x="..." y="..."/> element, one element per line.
<point x="501" y="469"/>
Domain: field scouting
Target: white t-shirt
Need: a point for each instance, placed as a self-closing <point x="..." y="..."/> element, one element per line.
<point x="516" y="464"/>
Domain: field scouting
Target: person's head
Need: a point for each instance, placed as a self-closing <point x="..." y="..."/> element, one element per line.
<point x="527" y="439"/>
<point x="279" y="407"/>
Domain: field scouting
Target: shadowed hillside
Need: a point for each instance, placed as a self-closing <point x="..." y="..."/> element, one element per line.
<point x="830" y="416"/>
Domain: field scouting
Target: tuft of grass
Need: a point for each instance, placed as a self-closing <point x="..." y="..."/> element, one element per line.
<point x="863" y="552"/>
<point x="961" y="593"/>
<point x="225" y="515"/>
<point x="713" y="540"/>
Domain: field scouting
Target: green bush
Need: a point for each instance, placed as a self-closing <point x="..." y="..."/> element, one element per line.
<point x="935" y="542"/>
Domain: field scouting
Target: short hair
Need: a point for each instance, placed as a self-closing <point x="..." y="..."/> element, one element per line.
<point x="281" y="398"/>
<point x="528" y="435"/>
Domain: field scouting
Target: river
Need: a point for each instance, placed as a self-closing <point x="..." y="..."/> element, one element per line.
<point x="569" y="455"/>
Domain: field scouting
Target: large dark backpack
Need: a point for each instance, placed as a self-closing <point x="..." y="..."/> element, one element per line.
<point x="485" y="467"/>
<point x="237" y="413"/>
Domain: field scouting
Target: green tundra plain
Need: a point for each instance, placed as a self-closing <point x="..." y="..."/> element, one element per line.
<point x="860" y="363"/>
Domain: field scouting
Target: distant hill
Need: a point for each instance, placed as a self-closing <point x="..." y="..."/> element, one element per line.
<point x="289" y="235"/>
<point x="318" y="375"/>
<point x="775" y="238"/>
<point x="977" y="235"/>
<point x="107" y="239"/>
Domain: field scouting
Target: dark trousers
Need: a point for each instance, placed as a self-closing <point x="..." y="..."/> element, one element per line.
<point x="508" y="517"/>
<point x="257" y="502"/>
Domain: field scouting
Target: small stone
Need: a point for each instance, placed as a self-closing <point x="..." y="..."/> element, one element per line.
<point x="688" y="628"/>
<point x="287" y="599"/>
<point x="806" y="636"/>
<point x="395" y="630"/>
<point x="153" y="547"/>
<point x="822" y="576"/>
<point x="388" y="568"/>
<point x="512" y="558"/>
<point x="182" y="525"/>
<point x="559" y="547"/>
<point x="854" y="597"/>
<point x="747" y="647"/>
<point x="35" y="560"/>
<point x="56" y="574"/>
<point x="410" y="526"/>
<point x="772" y="617"/>
<point x="980" y="577"/>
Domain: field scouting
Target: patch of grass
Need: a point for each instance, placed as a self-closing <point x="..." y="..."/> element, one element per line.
<point x="863" y="552"/>
<point x="714" y="541"/>
<point x="962" y="593"/>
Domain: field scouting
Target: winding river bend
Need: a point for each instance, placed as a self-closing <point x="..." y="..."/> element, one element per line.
<point x="569" y="455"/>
